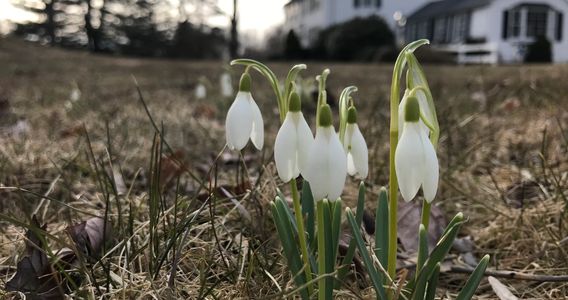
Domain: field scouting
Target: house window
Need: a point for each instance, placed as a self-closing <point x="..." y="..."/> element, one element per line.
<point x="515" y="23"/>
<point x="378" y="3"/>
<point x="537" y="22"/>
<point x="460" y="27"/>
<point x="440" y="30"/>
<point x="367" y="2"/>
<point x="356" y="3"/>
<point x="532" y="20"/>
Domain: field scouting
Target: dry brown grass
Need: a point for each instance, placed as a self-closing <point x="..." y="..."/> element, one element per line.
<point x="501" y="127"/>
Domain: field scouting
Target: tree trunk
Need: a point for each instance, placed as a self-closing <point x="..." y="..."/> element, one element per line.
<point x="234" y="42"/>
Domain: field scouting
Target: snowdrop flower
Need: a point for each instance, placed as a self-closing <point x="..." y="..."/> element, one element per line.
<point x="355" y="147"/>
<point x="200" y="91"/>
<point x="326" y="168"/>
<point x="226" y="85"/>
<point x="416" y="163"/>
<point x="244" y="119"/>
<point x="293" y="142"/>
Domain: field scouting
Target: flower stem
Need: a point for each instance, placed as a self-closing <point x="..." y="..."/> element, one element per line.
<point x="301" y="233"/>
<point x="321" y="251"/>
<point x="426" y="214"/>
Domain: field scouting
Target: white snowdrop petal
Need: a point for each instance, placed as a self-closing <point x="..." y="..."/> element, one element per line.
<point x="305" y="140"/>
<point x="431" y="170"/>
<point x="408" y="161"/>
<point x="317" y="171"/>
<point x="257" y="132"/>
<point x="238" y="123"/>
<point x="285" y="151"/>
<point x="337" y="169"/>
<point x="351" y="170"/>
<point x="359" y="152"/>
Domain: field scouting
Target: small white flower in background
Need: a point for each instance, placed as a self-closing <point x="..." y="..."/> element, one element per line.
<point x="226" y="84"/>
<point x="293" y="142"/>
<point x="75" y="94"/>
<point x="244" y="119"/>
<point x="200" y="91"/>
<point x="326" y="169"/>
<point x="355" y="147"/>
<point x="416" y="163"/>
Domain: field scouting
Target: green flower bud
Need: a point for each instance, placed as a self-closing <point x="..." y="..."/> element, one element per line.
<point x="244" y="84"/>
<point x="325" y="116"/>
<point x="352" y="115"/>
<point x="295" y="103"/>
<point x="412" y="110"/>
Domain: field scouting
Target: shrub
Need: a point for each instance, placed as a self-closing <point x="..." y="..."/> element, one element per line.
<point x="539" y="51"/>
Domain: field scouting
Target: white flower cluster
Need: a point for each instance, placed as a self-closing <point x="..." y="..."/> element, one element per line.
<point x="324" y="161"/>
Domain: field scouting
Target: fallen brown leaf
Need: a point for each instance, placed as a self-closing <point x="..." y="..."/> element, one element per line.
<point x="409" y="217"/>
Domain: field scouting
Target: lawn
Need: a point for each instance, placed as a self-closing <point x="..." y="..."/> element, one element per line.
<point x="126" y="139"/>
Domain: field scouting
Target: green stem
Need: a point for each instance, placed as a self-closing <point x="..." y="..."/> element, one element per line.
<point x="301" y="233"/>
<point x="321" y="250"/>
<point x="426" y="214"/>
<point x="393" y="182"/>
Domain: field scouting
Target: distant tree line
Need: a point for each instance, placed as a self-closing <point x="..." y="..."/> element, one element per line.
<point x="130" y="27"/>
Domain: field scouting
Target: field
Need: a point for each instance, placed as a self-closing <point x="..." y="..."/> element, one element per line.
<point x="154" y="165"/>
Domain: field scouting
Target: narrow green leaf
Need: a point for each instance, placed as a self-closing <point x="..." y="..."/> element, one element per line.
<point x="422" y="254"/>
<point x="473" y="282"/>
<point x="438" y="254"/>
<point x="433" y="284"/>
<point x="329" y="240"/>
<point x="382" y="228"/>
<point x="346" y="263"/>
<point x="422" y="247"/>
<point x="376" y="277"/>
<point x="289" y="246"/>
<point x="308" y="209"/>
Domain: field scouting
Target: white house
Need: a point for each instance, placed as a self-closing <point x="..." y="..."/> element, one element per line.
<point x="491" y="31"/>
<point x="308" y="17"/>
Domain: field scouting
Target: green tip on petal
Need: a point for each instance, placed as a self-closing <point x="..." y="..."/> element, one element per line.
<point x="325" y="116"/>
<point x="244" y="84"/>
<point x="295" y="103"/>
<point x="412" y="110"/>
<point x="352" y="115"/>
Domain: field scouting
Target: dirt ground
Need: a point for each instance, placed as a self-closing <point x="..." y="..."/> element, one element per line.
<point x="76" y="141"/>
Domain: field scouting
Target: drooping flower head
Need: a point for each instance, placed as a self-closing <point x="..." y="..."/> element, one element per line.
<point x="293" y="142"/>
<point x="244" y="119"/>
<point x="326" y="168"/>
<point x="416" y="163"/>
<point x="355" y="146"/>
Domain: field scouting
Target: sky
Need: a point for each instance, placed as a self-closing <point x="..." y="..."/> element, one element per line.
<point x="256" y="16"/>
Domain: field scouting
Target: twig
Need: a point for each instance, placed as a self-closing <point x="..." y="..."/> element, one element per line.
<point x="511" y="274"/>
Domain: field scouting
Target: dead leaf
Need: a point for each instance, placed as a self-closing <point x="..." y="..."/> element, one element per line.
<point x="35" y="277"/>
<point x="171" y="167"/>
<point x="72" y="131"/>
<point x="521" y="193"/>
<point x="500" y="289"/>
<point x="409" y="217"/>
<point x="90" y="236"/>
<point x="205" y="110"/>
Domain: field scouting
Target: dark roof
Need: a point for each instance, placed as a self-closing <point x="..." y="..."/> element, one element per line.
<point x="446" y="7"/>
<point x="292" y="1"/>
